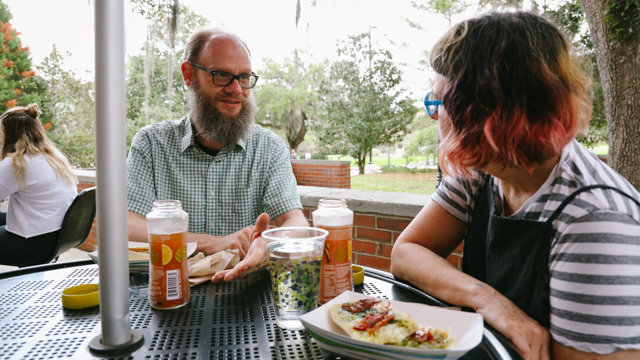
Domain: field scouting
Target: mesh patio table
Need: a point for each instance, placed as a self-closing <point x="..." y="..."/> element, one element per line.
<point x="233" y="320"/>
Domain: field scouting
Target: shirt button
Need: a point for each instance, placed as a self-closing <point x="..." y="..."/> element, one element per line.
<point x="213" y="163"/>
<point x="212" y="193"/>
<point x="211" y="224"/>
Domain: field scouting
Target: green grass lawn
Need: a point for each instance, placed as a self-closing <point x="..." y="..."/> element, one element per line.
<point x="381" y="160"/>
<point x="600" y="149"/>
<point x="418" y="183"/>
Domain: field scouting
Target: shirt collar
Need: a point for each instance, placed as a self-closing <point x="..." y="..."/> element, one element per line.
<point x="189" y="138"/>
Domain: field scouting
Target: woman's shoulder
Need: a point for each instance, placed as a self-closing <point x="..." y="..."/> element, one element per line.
<point x="458" y="194"/>
<point x="600" y="187"/>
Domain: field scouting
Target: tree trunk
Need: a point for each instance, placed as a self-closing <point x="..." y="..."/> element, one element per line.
<point x="362" y="160"/>
<point x="173" y="28"/>
<point x="297" y="138"/>
<point x="619" y="66"/>
<point x="148" y="47"/>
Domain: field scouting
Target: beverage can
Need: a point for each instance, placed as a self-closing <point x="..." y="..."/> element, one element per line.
<point x="334" y="216"/>
<point x="167" y="226"/>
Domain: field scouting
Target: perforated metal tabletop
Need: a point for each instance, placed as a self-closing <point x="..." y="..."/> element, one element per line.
<point x="222" y="321"/>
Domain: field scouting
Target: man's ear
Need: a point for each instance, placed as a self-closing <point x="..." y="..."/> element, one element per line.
<point x="187" y="73"/>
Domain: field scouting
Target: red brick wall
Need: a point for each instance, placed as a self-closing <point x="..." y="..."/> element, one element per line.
<point x="91" y="243"/>
<point x="374" y="236"/>
<point x="324" y="173"/>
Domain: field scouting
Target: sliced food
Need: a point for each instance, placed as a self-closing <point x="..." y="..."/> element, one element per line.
<point x="428" y="338"/>
<point x="373" y="321"/>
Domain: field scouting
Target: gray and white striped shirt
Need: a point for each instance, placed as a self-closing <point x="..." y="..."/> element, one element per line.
<point x="595" y="251"/>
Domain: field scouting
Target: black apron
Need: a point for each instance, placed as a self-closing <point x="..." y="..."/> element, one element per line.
<point x="512" y="255"/>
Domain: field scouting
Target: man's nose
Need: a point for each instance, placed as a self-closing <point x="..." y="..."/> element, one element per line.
<point x="234" y="87"/>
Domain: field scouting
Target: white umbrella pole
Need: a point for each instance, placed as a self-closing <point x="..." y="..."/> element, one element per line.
<point x="110" y="110"/>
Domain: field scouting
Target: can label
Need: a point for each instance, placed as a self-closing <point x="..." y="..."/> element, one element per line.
<point x="335" y="271"/>
<point x="169" y="281"/>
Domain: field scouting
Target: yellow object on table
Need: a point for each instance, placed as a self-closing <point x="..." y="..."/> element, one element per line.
<point x="81" y="296"/>
<point x="358" y="274"/>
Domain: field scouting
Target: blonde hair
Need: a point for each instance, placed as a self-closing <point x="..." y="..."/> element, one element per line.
<point x="25" y="135"/>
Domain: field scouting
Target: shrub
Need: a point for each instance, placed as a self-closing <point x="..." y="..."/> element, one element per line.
<point x="403" y="170"/>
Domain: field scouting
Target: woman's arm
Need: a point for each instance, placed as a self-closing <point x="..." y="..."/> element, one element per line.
<point x="8" y="183"/>
<point x="419" y="258"/>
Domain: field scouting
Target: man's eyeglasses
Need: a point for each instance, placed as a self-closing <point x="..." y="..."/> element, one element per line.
<point x="223" y="78"/>
<point x="431" y="103"/>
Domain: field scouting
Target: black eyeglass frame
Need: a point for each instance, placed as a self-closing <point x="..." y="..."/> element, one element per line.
<point x="233" y="77"/>
<point x="428" y="103"/>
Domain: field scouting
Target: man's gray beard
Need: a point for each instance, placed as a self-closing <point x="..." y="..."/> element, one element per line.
<point x="211" y="124"/>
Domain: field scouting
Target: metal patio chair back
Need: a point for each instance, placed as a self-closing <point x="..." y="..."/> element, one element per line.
<point x="76" y="223"/>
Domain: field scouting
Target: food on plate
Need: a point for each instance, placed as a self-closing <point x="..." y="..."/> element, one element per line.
<point x="373" y="321"/>
<point x="140" y="249"/>
<point x="138" y="256"/>
<point x="428" y="338"/>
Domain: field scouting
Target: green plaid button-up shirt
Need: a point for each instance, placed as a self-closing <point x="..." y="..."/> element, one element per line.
<point x="221" y="194"/>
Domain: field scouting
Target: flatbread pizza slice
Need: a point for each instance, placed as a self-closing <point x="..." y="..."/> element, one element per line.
<point x="428" y="338"/>
<point x="372" y="321"/>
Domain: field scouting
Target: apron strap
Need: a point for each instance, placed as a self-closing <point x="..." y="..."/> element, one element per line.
<point x="581" y="190"/>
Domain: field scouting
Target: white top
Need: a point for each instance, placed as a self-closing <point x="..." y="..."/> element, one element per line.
<point x="595" y="253"/>
<point x="41" y="207"/>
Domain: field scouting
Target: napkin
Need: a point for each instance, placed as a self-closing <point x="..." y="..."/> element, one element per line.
<point x="201" y="268"/>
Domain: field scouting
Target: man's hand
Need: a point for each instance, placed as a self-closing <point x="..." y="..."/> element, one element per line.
<point x="257" y="256"/>
<point x="240" y="240"/>
<point x="530" y="338"/>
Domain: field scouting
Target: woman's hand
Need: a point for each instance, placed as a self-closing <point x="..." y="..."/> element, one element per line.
<point x="528" y="336"/>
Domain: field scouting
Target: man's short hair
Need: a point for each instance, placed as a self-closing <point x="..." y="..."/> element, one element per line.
<point x="199" y="39"/>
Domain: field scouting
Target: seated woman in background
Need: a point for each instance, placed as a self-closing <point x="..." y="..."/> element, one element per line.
<point x="40" y="185"/>
<point x="552" y="234"/>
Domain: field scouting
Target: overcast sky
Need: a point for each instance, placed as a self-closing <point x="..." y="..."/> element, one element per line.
<point x="268" y="26"/>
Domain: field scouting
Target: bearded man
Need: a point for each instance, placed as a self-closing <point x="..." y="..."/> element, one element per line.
<point x="228" y="172"/>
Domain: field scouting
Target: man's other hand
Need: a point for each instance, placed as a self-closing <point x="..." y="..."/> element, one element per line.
<point x="257" y="255"/>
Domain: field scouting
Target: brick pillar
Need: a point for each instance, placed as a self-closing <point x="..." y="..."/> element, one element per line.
<point x="323" y="173"/>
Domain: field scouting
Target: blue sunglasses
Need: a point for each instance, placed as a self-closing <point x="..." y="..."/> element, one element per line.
<point x="431" y="103"/>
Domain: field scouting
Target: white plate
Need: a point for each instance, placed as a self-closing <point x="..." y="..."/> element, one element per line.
<point x="142" y="265"/>
<point x="466" y="329"/>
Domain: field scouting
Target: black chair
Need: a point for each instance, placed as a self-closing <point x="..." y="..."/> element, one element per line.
<point x="76" y="223"/>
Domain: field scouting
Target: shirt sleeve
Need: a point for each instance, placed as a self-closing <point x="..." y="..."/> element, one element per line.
<point x="595" y="283"/>
<point x="281" y="191"/>
<point x="8" y="183"/>
<point x="141" y="191"/>
<point x="457" y="195"/>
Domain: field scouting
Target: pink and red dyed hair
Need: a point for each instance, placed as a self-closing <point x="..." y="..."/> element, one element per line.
<point x="514" y="96"/>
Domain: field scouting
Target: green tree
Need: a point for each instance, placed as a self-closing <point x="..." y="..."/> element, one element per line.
<point x="448" y="8"/>
<point x="496" y="5"/>
<point x="287" y="97"/>
<point x="18" y="85"/>
<point x="153" y="94"/>
<point x="363" y="105"/>
<point x="423" y="140"/>
<point x="69" y="102"/>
